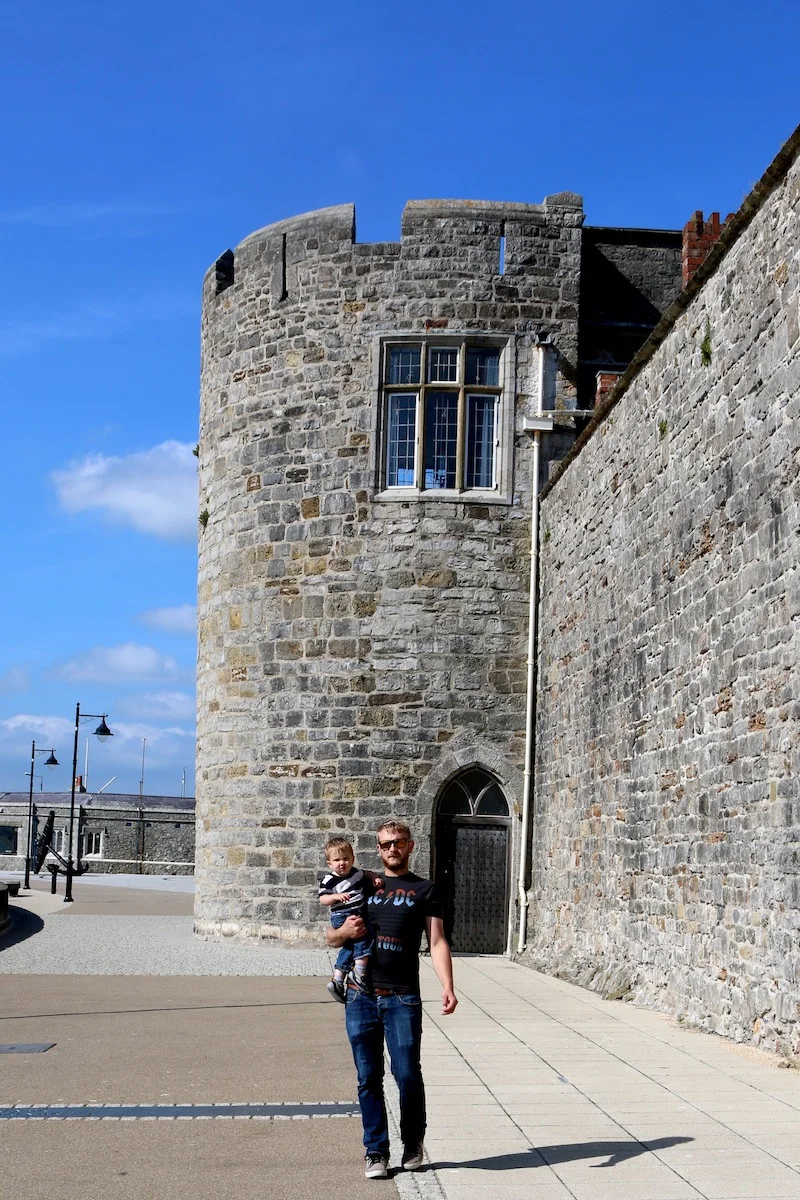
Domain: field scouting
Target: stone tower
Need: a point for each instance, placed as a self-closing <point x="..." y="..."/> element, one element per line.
<point x="365" y="495"/>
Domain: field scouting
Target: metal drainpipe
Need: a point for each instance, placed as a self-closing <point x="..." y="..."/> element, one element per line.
<point x="535" y="426"/>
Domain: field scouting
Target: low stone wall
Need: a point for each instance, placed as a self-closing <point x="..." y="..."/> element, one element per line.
<point x="666" y="850"/>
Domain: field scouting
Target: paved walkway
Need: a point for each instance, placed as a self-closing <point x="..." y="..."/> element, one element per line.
<point x="537" y="1089"/>
<point x="541" y="1090"/>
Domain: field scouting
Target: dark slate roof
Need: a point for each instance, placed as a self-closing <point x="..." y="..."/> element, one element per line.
<point x="101" y="800"/>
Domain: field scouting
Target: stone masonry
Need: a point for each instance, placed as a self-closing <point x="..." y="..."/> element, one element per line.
<point x="666" y="847"/>
<point x="358" y="647"/>
<point x="356" y="650"/>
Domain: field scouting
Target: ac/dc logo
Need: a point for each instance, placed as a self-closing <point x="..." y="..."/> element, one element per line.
<point x="397" y="897"/>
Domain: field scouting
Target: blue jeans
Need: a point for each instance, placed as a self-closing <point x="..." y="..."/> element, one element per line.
<point x="355" y="948"/>
<point x="398" y="1019"/>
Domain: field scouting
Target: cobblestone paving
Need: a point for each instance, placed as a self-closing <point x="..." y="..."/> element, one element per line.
<point x="151" y="945"/>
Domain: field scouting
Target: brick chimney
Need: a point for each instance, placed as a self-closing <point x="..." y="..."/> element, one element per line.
<point x="699" y="236"/>
<point x="79" y="785"/>
<point x="606" y="381"/>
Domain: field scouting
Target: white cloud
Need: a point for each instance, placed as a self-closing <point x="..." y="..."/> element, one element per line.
<point x="25" y="727"/>
<point x="182" y="618"/>
<point x="135" y="731"/>
<point x="154" y="491"/>
<point x="174" y="706"/>
<point x="120" y="664"/>
<point x="15" y="679"/>
<point x="169" y="751"/>
<point x="172" y="745"/>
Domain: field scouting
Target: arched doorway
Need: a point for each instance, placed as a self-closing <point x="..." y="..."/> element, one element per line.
<point x="472" y="861"/>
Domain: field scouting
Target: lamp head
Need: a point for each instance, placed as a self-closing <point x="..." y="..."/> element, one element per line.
<point x="102" y="733"/>
<point x="52" y="761"/>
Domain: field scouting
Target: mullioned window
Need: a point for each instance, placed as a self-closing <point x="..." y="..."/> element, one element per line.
<point x="442" y="416"/>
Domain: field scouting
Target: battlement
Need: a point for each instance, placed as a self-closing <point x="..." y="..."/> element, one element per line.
<point x="471" y="233"/>
<point x="471" y="211"/>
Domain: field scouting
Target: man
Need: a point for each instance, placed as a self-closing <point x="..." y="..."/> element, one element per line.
<point x="398" y="913"/>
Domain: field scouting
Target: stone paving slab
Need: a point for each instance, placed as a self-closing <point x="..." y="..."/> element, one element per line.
<point x="570" y="1097"/>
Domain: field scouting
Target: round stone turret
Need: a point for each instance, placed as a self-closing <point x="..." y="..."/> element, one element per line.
<point x="364" y="543"/>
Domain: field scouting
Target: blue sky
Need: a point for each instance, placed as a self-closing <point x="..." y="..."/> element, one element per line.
<point x="140" y="140"/>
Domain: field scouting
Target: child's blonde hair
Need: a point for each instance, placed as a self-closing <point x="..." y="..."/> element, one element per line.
<point x="336" y="843"/>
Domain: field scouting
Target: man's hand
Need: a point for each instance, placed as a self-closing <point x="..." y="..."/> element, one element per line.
<point x="449" y="1002"/>
<point x="351" y="929"/>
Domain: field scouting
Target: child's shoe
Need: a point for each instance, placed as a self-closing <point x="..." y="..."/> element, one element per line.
<point x="336" y="989"/>
<point x="359" y="983"/>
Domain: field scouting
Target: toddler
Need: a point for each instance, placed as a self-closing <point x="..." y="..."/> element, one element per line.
<point x="344" y="889"/>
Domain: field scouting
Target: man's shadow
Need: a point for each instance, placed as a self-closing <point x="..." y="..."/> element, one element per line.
<point x="548" y="1156"/>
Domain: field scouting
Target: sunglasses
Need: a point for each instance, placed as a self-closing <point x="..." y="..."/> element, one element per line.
<point x="398" y="843"/>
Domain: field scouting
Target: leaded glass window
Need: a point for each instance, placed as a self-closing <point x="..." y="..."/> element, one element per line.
<point x="483" y="367"/>
<point x="441" y="439"/>
<point x="402" y="439"/>
<point x="481" y="421"/>
<point x="443" y="364"/>
<point x="404" y="364"/>
<point x="441" y="416"/>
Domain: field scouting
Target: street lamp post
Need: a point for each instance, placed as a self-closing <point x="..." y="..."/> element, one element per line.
<point x="52" y="761"/>
<point x="101" y="733"/>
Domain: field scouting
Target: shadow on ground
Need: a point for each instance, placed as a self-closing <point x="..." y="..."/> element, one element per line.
<point x="172" y="1008"/>
<point x="24" y="924"/>
<point x="548" y="1156"/>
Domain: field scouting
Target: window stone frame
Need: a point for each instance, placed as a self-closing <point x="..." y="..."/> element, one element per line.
<point x="502" y="492"/>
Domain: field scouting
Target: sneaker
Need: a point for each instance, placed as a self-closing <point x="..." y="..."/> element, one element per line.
<point x="413" y="1157"/>
<point x="376" y="1166"/>
<point x="359" y="983"/>
<point x="336" y="989"/>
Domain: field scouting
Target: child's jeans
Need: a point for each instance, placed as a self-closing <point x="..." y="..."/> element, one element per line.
<point x="355" y="948"/>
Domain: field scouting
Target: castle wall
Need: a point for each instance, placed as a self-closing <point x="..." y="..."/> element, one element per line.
<point x="354" y="650"/>
<point x="666" y="847"/>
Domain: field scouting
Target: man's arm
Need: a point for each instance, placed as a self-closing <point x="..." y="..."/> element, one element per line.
<point x="351" y="929"/>
<point x="442" y="962"/>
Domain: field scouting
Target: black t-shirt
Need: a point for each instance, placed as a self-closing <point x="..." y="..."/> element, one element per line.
<point x="396" y="914"/>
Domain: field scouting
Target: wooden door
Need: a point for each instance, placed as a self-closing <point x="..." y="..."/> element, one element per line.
<point x="472" y="878"/>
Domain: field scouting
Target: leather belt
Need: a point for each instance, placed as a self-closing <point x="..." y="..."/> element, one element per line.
<point x="377" y="991"/>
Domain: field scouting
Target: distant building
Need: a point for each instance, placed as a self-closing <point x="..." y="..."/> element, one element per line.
<point x="148" y="835"/>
